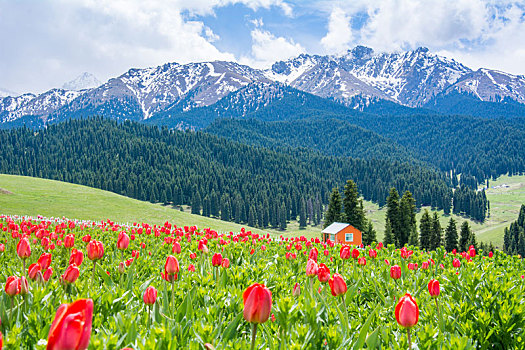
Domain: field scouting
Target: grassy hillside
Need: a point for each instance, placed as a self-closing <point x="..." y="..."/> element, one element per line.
<point x="505" y="201"/>
<point x="32" y="196"/>
<point x="24" y="195"/>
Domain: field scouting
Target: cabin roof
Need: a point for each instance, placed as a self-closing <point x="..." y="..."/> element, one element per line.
<point x="335" y="227"/>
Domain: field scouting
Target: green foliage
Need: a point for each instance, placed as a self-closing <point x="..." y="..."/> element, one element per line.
<point x="333" y="213"/>
<point x="451" y="236"/>
<point x="353" y="211"/>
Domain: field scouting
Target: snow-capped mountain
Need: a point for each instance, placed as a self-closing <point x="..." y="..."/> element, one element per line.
<point x="411" y="78"/>
<point x="489" y="85"/>
<point x="84" y="81"/>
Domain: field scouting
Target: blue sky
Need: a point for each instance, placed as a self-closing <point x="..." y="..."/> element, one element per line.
<point x="46" y="43"/>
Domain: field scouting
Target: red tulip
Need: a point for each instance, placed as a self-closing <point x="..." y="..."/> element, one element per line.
<point x="433" y="288"/>
<point x="355" y="253"/>
<point x="395" y="272"/>
<point x="425" y="265"/>
<point x="71" y="328"/>
<point x="456" y="263"/>
<point x="122" y="241"/>
<point x="172" y="265"/>
<point x="44" y="260"/>
<point x="257" y="303"/>
<point x="23" y="249"/>
<point x="372" y="253"/>
<point x="225" y="263"/>
<point x="472" y="252"/>
<point x="411" y="266"/>
<point x="407" y="312"/>
<point x="32" y="271"/>
<point x="379" y="246"/>
<point x="313" y="254"/>
<point x="345" y="252"/>
<point x="150" y="296"/>
<point x="76" y="257"/>
<point x="1" y="339"/>
<point x="216" y="260"/>
<point x="362" y="261"/>
<point x="2" y="247"/>
<point x="69" y="241"/>
<point x="12" y="286"/>
<point x="296" y="290"/>
<point x="71" y="274"/>
<point x="47" y="274"/>
<point x="337" y="285"/>
<point x="176" y="248"/>
<point x="95" y="250"/>
<point x="491" y="254"/>
<point x="311" y="268"/>
<point x="191" y="268"/>
<point x="323" y="273"/>
<point x="193" y="256"/>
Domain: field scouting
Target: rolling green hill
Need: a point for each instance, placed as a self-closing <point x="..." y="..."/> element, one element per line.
<point x="23" y="195"/>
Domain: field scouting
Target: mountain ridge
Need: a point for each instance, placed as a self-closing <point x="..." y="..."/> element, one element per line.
<point x="411" y="79"/>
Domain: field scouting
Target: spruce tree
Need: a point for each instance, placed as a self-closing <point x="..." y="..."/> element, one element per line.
<point x="353" y="208"/>
<point x="425" y="231"/>
<point x="251" y="217"/>
<point x="196" y="203"/>
<point x="408" y="225"/>
<point x="283" y="216"/>
<point x="465" y="236"/>
<point x="413" y="238"/>
<point x="333" y="213"/>
<point x="371" y="234"/>
<point x="302" y="214"/>
<point x="436" y="240"/>
<point x="451" y="236"/>
<point x="389" y="236"/>
<point x="393" y="216"/>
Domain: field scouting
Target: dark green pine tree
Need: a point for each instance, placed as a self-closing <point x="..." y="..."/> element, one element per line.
<point x="389" y="236"/>
<point x="283" y="216"/>
<point x="225" y="208"/>
<point x="251" y="217"/>
<point x="464" y="236"/>
<point x="353" y="208"/>
<point x="333" y="213"/>
<point x="436" y="240"/>
<point x="507" y="248"/>
<point x="302" y="214"/>
<point x="408" y="224"/>
<point x="393" y="216"/>
<point x="196" y="203"/>
<point x="214" y="204"/>
<point x="521" y="217"/>
<point x="371" y="234"/>
<point x="425" y="231"/>
<point x="451" y="236"/>
<point x="206" y="206"/>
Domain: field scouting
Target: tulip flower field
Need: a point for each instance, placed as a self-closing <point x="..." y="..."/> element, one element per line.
<point x="101" y="285"/>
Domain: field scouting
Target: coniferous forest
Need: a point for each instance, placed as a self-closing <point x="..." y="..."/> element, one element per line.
<point x="215" y="176"/>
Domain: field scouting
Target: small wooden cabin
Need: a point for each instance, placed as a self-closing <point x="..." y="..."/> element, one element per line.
<point x="339" y="232"/>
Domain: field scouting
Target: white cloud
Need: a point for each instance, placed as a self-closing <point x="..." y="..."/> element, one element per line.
<point x="267" y="48"/>
<point x="52" y="42"/>
<point x="339" y="34"/>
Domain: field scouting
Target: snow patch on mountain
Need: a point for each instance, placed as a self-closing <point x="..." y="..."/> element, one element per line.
<point x="83" y="81"/>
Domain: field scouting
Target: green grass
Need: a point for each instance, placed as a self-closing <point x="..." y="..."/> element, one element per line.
<point x="34" y="196"/>
<point x="21" y="195"/>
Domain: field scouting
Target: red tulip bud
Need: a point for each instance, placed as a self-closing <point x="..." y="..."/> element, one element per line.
<point x="24" y="286"/>
<point x="71" y="328"/>
<point x="355" y="253"/>
<point x="225" y="263"/>
<point x="44" y="260"/>
<point x="71" y="274"/>
<point x="372" y="253"/>
<point x="76" y="257"/>
<point x="337" y="285"/>
<point x="32" y="271"/>
<point x="95" y="250"/>
<point x="257" y="303"/>
<point x="150" y="296"/>
<point x="362" y="261"/>
<point x="23" y="249"/>
<point x="456" y="263"/>
<point x="172" y="265"/>
<point x="216" y="260"/>
<point x="323" y="273"/>
<point x="122" y="241"/>
<point x="433" y="288"/>
<point x="12" y="286"/>
<point x="407" y="312"/>
<point x="395" y="272"/>
<point x="296" y="290"/>
<point x="69" y="241"/>
<point x="176" y="248"/>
